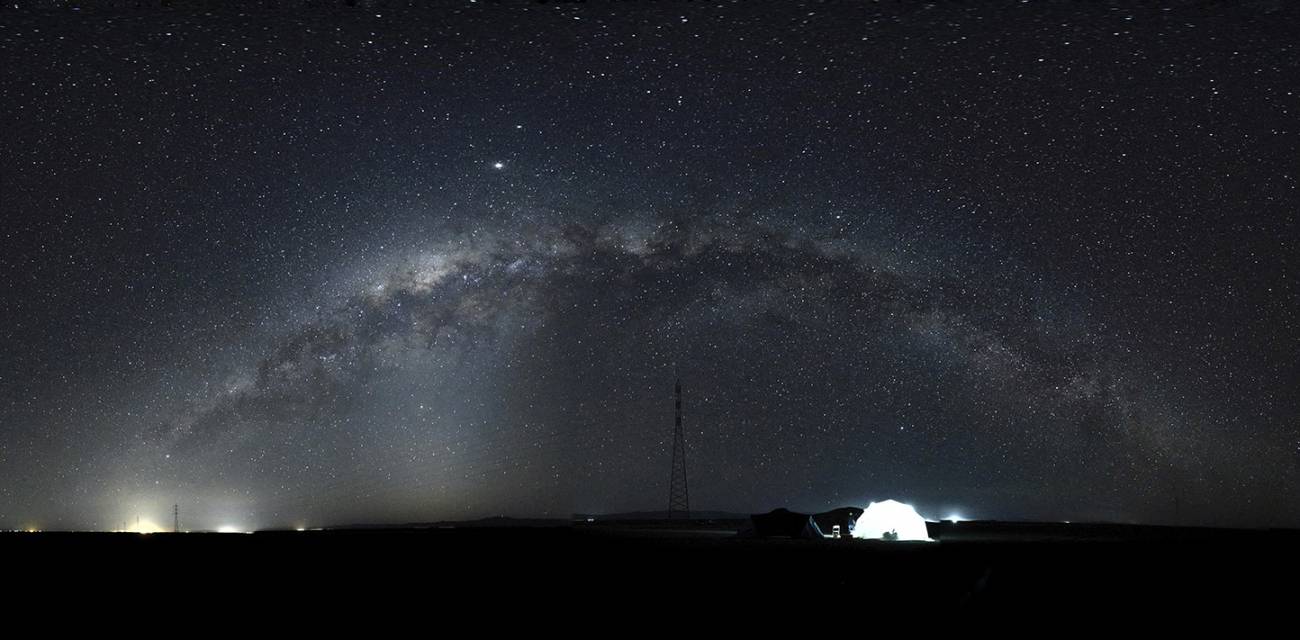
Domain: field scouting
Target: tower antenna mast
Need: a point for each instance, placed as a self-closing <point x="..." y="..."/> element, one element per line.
<point x="679" y="495"/>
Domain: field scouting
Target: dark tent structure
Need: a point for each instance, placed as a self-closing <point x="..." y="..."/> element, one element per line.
<point x="783" y="523"/>
<point x="845" y="517"/>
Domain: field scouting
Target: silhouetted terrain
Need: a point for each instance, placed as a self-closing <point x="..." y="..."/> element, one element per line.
<point x="974" y="569"/>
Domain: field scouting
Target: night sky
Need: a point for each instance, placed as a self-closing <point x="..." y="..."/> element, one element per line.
<point x="309" y="266"/>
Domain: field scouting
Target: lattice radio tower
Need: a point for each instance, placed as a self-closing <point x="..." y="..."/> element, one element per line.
<point x="679" y="495"/>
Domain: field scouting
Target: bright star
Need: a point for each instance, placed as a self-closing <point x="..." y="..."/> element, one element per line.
<point x="498" y="165"/>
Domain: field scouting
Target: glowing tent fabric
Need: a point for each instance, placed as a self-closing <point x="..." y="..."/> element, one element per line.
<point x="900" y="521"/>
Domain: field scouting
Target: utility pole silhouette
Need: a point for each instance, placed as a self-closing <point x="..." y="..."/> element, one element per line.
<point x="679" y="495"/>
<point x="176" y="518"/>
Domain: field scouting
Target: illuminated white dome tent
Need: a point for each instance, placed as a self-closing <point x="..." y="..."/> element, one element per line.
<point x="889" y="516"/>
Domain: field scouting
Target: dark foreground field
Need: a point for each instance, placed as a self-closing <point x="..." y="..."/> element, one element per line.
<point x="975" y="569"/>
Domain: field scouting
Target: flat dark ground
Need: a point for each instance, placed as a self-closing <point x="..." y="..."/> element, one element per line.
<point x="974" y="569"/>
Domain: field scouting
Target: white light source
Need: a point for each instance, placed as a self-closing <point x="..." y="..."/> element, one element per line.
<point x="890" y="520"/>
<point x="145" y="526"/>
<point x="498" y="165"/>
<point x="955" y="518"/>
<point x="228" y="529"/>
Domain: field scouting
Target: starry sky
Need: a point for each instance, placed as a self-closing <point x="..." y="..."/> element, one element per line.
<point x="305" y="265"/>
